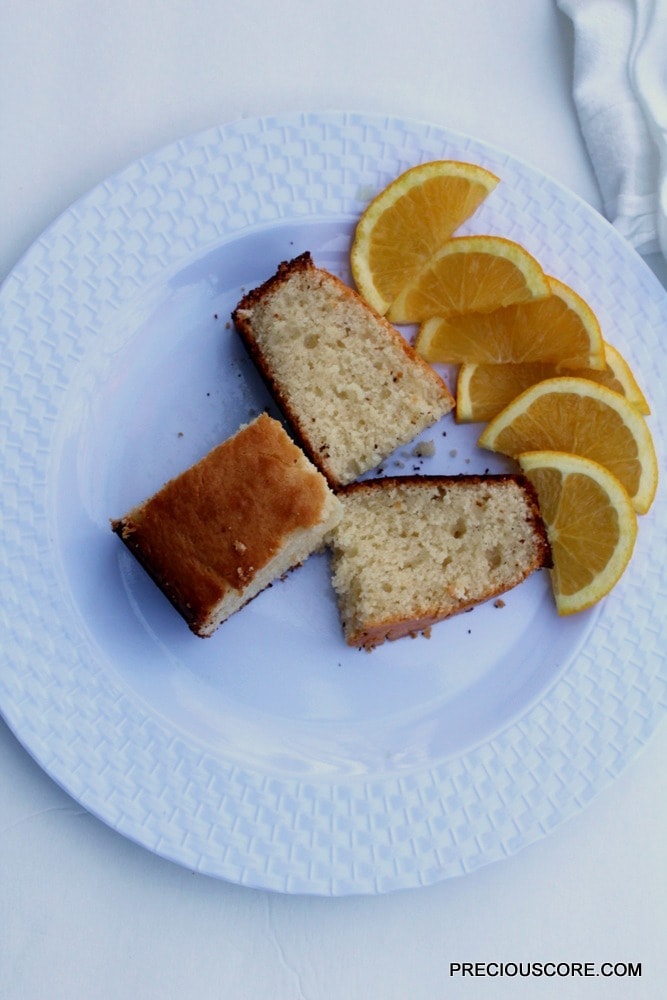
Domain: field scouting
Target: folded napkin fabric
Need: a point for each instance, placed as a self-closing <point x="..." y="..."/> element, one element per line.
<point x="620" y="91"/>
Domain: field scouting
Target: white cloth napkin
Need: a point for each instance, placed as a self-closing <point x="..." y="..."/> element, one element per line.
<point x="620" y="91"/>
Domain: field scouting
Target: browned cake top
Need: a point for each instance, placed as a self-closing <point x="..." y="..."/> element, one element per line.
<point x="217" y="524"/>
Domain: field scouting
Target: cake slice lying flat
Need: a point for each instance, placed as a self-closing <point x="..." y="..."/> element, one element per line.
<point x="350" y="386"/>
<point x="410" y="551"/>
<point x="219" y="533"/>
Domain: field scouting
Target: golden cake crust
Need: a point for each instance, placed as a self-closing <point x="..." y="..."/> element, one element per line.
<point x="213" y="528"/>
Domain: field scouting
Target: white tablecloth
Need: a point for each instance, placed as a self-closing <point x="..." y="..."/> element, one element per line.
<point x="84" y="913"/>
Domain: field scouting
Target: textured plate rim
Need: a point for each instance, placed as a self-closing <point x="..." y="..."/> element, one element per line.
<point x="362" y="835"/>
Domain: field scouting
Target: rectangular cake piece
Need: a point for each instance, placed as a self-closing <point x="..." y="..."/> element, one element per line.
<point x="410" y="551"/>
<point x="219" y="533"/>
<point x="349" y="385"/>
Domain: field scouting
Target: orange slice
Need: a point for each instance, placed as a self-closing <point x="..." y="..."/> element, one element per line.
<point x="483" y="390"/>
<point x="618" y="375"/>
<point x="470" y="274"/>
<point x="560" y="328"/>
<point x="590" y="522"/>
<point x="411" y="219"/>
<point x="583" y="418"/>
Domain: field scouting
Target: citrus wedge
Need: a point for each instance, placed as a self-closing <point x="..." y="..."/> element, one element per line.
<point x="580" y="417"/>
<point x="618" y="375"/>
<point x="483" y="390"/>
<point x="560" y="328"/>
<point x="470" y="274"/>
<point x="591" y="525"/>
<point x="411" y="219"/>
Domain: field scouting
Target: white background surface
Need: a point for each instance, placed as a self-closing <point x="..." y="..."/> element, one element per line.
<point x="85" y="88"/>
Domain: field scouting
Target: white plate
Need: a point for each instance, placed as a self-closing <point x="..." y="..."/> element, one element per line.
<point x="271" y="754"/>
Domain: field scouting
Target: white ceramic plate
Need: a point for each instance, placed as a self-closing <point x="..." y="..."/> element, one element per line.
<point x="271" y="754"/>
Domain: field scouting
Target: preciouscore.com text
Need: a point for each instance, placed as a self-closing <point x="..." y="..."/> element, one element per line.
<point x="537" y="969"/>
